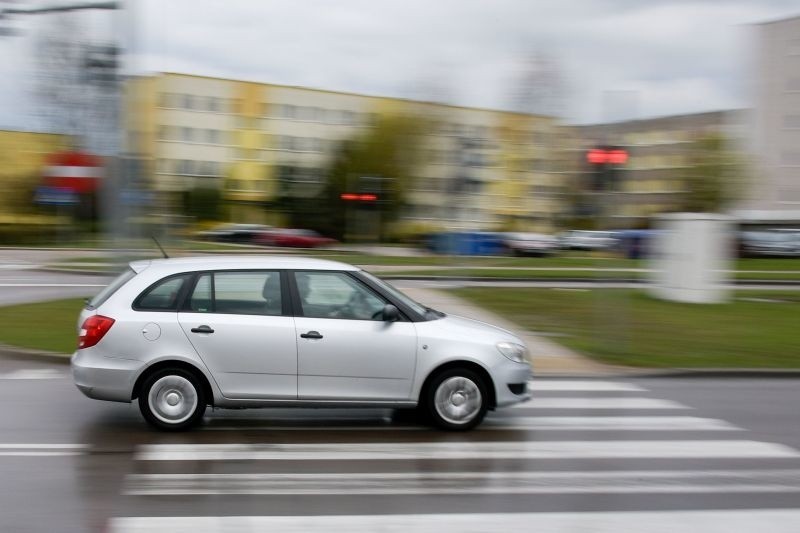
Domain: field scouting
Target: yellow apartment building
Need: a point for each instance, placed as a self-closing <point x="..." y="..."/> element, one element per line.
<point x="482" y="169"/>
<point x="22" y="158"/>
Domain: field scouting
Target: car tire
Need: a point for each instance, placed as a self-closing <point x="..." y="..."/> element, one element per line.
<point x="456" y="399"/>
<point x="172" y="399"/>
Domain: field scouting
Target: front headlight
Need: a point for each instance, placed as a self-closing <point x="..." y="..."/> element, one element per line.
<point x="515" y="352"/>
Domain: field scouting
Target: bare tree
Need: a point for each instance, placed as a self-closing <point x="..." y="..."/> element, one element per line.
<point x="75" y="84"/>
<point x="540" y="86"/>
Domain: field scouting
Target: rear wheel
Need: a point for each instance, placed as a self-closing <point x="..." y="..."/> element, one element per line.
<point x="456" y="399"/>
<point x="172" y="399"/>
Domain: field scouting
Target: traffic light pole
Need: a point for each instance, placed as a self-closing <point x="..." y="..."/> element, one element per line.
<point x="611" y="305"/>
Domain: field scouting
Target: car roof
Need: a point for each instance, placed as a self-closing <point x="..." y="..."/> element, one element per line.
<point x="239" y="262"/>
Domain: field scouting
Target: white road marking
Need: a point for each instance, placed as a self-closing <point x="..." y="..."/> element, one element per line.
<point x="34" y="373"/>
<point x="18" y="267"/>
<point x="582" y="385"/>
<point x="724" y="521"/>
<point x="467" y="450"/>
<point x="542" y="423"/>
<point x="41" y="450"/>
<point x="408" y="483"/>
<point x="600" y="403"/>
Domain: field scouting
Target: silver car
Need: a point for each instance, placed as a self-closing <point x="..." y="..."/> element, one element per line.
<point x="181" y="334"/>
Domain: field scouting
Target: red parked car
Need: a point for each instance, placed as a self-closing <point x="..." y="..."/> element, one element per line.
<point x="294" y="238"/>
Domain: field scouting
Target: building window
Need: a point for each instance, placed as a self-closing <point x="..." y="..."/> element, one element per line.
<point x="186" y="134"/>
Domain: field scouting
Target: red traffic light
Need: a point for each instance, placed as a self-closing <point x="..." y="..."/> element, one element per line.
<point x="353" y="197"/>
<point x="617" y="157"/>
<point x="601" y="156"/>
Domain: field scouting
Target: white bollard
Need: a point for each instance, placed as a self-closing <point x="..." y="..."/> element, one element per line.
<point x="690" y="257"/>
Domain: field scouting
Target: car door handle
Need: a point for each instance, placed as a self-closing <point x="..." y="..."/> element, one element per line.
<point x="311" y="335"/>
<point x="202" y="329"/>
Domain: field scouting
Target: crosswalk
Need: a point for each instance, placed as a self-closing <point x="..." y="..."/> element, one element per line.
<point x="34" y="374"/>
<point x="584" y="455"/>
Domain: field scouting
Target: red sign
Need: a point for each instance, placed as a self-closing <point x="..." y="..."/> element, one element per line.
<point x="75" y="171"/>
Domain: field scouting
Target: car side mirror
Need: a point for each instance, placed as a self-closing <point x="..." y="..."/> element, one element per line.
<point x="390" y="313"/>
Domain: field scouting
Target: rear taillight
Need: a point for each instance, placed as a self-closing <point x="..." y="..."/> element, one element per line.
<point x="93" y="330"/>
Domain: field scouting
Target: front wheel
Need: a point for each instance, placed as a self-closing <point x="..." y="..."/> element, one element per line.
<point x="456" y="400"/>
<point x="172" y="400"/>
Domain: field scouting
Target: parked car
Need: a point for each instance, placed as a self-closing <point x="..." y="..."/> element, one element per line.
<point x="236" y="233"/>
<point x="177" y="335"/>
<point x="635" y="243"/>
<point x="294" y="238"/>
<point x="586" y="240"/>
<point x="769" y="243"/>
<point x="531" y="243"/>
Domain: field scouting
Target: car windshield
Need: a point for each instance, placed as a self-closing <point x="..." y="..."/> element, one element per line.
<point x="417" y="307"/>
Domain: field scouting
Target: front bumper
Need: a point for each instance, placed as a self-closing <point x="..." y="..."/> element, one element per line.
<point x="510" y="383"/>
<point x="104" y="378"/>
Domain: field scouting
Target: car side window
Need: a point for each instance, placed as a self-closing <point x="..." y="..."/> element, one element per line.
<point x="163" y="296"/>
<point x="200" y="301"/>
<point x="337" y="295"/>
<point x="238" y="292"/>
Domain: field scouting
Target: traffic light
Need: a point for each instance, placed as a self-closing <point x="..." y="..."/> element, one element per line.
<point x="603" y="162"/>
<point x="358" y="197"/>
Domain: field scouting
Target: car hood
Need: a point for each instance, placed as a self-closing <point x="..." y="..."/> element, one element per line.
<point x="472" y="328"/>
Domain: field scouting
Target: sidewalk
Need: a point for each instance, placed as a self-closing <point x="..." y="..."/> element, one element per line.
<point x="549" y="358"/>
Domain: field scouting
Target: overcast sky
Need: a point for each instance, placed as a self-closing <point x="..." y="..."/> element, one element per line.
<point x="618" y="58"/>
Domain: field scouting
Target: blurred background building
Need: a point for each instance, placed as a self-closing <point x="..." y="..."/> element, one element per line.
<point x="24" y="155"/>
<point x="663" y="156"/>
<point x="477" y="169"/>
<point x="775" y="135"/>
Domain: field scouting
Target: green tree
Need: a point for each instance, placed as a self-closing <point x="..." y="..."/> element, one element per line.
<point x="714" y="176"/>
<point x="381" y="161"/>
<point x="203" y="203"/>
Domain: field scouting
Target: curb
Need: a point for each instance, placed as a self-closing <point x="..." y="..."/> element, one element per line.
<point x="15" y="352"/>
<point x="682" y="373"/>
<point x="76" y="271"/>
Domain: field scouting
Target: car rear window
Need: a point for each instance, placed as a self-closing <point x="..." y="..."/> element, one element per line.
<point x="127" y="275"/>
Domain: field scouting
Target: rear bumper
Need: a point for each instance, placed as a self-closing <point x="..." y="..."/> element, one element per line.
<point x="104" y="378"/>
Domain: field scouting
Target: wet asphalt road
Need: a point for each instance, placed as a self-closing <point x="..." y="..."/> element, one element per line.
<point x="71" y="464"/>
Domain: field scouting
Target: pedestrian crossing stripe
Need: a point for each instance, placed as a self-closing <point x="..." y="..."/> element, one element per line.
<point x="600" y="403"/>
<point x="586" y="385"/>
<point x="34" y="373"/>
<point x="467" y="450"/>
<point x="539" y="423"/>
<point x="452" y="483"/>
<point x="716" y="521"/>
